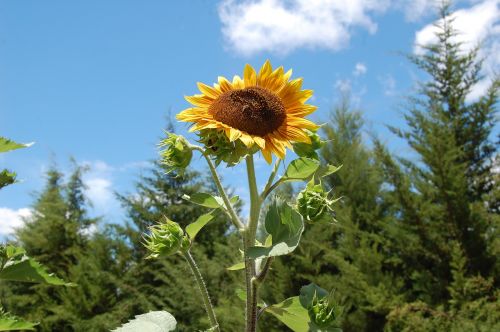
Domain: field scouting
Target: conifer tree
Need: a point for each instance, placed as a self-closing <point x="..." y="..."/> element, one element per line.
<point x="443" y="198"/>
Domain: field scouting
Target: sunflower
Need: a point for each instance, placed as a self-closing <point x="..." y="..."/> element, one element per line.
<point x="265" y="108"/>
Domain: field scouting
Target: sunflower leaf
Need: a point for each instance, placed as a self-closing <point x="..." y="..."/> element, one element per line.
<point x="158" y="321"/>
<point x="300" y="169"/>
<point x="7" y="178"/>
<point x="8" y="145"/>
<point x="10" y="322"/>
<point x="285" y="226"/>
<point x="236" y="267"/>
<point x="17" y="266"/>
<point x="206" y="200"/>
<point x="193" y="228"/>
<point x="291" y="313"/>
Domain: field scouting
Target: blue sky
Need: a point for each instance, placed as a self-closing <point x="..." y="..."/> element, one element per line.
<point x="95" y="80"/>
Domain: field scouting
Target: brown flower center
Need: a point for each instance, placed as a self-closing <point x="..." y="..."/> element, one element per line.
<point x="254" y="110"/>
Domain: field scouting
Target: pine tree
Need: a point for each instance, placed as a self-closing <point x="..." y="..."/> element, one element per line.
<point x="60" y="235"/>
<point x="444" y="198"/>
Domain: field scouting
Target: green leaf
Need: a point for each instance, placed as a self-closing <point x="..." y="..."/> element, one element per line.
<point x="285" y="226"/>
<point x="234" y="199"/>
<point x="193" y="228"/>
<point x="206" y="200"/>
<point x="19" y="267"/>
<point x="328" y="170"/>
<point x="7" y="178"/>
<point x="8" y="145"/>
<point x="10" y="322"/>
<point x="236" y="267"/>
<point x="154" y="321"/>
<point x="291" y="313"/>
<point x="300" y="169"/>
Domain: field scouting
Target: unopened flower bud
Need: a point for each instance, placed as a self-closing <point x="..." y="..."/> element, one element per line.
<point x="165" y="238"/>
<point x="309" y="150"/>
<point x="313" y="204"/>
<point x="323" y="311"/>
<point x="176" y="153"/>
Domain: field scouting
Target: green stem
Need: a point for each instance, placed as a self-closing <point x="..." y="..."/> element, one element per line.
<point x="233" y="216"/>
<point x="263" y="273"/>
<point x="203" y="290"/>
<point x="269" y="190"/>
<point x="250" y="234"/>
<point x="271" y="177"/>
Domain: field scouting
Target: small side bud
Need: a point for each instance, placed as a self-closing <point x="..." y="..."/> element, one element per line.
<point x="309" y="150"/>
<point x="166" y="238"/>
<point x="176" y="153"/>
<point x="324" y="311"/>
<point x="314" y="205"/>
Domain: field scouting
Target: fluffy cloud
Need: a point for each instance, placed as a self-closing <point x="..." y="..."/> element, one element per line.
<point x="11" y="219"/>
<point x="99" y="186"/>
<point x="478" y="24"/>
<point x="359" y="69"/>
<point x="282" y="26"/>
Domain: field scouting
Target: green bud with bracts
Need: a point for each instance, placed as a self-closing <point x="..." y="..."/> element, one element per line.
<point x="176" y="153"/>
<point x="314" y="205"/>
<point x="323" y="311"/>
<point x="309" y="150"/>
<point x="166" y="238"/>
<point x="221" y="149"/>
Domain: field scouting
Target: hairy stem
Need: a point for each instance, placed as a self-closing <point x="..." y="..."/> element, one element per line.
<point x="229" y="207"/>
<point x="271" y="177"/>
<point x="203" y="290"/>
<point x="250" y="234"/>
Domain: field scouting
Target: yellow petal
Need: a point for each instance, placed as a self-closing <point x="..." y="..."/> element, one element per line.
<point x="224" y="84"/>
<point x="276" y="147"/>
<point x="301" y="123"/>
<point x="249" y="76"/>
<point x="247" y="140"/>
<point x="203" y="125"/>
<point x="199" y="100"/>
<point x="294" y="134"/>
<point x="238" y="83"/>
<point x="208" y="90"/>
<point x="264" y="72"/>
<point x="260" y="141"/>
<point x="267" y="156"/>
<point x="234" y="134"/>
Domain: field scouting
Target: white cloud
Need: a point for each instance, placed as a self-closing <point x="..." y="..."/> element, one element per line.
<point x="343" y="86"/>
<point x="100" y="192"/>
<point x="281" y="26"/>
<point x="11" y="219"/>
<point x="359" y="69"/>
<point x="388" y="84"/>
<point x="99" y="183"/>
<point x="479" y="23"/>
